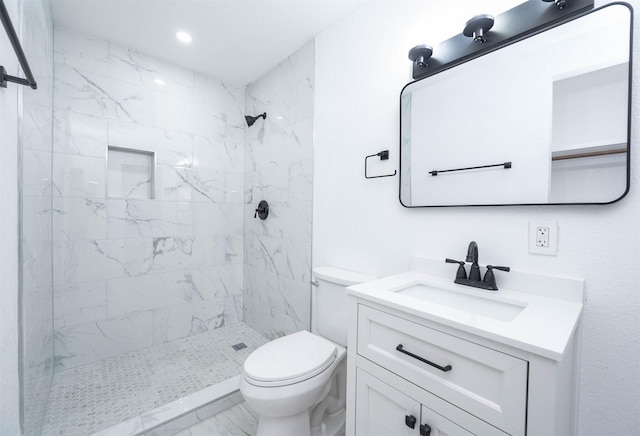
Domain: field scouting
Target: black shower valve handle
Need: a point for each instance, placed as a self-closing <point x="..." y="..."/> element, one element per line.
<point x="262" y="211"/>
<point x="461" y="273"/>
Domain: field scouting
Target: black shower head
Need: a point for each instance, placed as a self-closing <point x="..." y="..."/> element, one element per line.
<point x="251" y="120"/>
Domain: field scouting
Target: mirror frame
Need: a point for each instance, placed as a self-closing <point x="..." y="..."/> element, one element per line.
<point x="438" y="66"/>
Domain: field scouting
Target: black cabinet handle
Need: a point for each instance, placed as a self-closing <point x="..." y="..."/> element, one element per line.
<point x="425" y="430"/>
<point x="410" y="421"/>
<point x="422" y="359"/>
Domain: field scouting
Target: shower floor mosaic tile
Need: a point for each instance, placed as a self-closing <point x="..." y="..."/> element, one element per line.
<point x="90" y="398"/>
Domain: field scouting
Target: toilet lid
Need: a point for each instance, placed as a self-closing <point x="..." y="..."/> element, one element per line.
<point x="291" y="358"/>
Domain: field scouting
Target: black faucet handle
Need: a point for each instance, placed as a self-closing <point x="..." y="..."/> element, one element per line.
<point x="501" y="268"/>
<point x="461" y="273"/>
<point x="490" y="278"/>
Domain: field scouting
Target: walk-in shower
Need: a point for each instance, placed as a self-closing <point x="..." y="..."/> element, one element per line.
<point x="133" y="298"/>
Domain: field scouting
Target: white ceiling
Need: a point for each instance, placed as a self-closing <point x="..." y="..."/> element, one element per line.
<point x="236" y="41"/>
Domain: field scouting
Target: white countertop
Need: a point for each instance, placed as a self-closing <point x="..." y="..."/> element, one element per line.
<point x="544" y="326"/>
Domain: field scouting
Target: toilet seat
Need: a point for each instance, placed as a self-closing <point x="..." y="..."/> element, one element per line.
<point x="289" y="359"/>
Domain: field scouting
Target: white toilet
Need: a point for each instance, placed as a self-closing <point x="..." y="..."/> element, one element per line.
<point x="297" y="383"/>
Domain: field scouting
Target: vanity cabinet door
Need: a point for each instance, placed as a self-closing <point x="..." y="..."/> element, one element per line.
<point x="382" y="410"/>
<point x="438" y="425"/>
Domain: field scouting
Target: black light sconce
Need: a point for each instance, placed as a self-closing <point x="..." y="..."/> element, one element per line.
<point x="420" y="53"/>
<point x="478" y="26"/>
<point x="560" y="4"/>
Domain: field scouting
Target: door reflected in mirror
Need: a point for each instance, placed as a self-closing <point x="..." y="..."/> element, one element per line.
<point x="544" y="120"/>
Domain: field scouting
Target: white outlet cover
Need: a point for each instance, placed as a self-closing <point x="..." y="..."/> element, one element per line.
<point x="552" y="225"/>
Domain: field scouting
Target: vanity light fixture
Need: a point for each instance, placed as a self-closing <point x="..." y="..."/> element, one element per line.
<point x="528" y="17"/>
<point x="560" y="4"/>
<point x="478" y="26"/>
<point x="184" y="37"/>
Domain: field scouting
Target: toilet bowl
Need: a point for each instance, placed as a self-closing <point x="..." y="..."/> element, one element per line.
<point x="285" y="401"/>
<point x="297" y="383"/>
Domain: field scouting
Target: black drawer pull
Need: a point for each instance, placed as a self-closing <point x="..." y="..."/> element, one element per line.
<point x="422" y="359"/>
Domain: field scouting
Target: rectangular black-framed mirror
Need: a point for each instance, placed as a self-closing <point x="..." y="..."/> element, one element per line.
<point x="544" y="120"/>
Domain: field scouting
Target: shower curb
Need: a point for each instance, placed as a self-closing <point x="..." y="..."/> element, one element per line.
<point x="182" y="413"/>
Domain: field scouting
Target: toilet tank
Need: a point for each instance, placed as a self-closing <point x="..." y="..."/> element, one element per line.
<point x="329" y="301"/>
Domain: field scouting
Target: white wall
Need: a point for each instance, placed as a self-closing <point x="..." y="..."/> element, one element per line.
<point x="9" y="385"/>
<point x="361" y="67"/>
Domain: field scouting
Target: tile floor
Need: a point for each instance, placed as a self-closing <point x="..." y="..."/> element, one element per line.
<point x="239" y="420"/>
<point x="96" y="396"/>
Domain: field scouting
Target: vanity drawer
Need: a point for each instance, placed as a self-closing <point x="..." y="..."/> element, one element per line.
<point x="484" y="382"/>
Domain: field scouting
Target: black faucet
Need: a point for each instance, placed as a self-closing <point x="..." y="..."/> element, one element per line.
<point x="489" y="280"/>
<point x="472" y="256"/>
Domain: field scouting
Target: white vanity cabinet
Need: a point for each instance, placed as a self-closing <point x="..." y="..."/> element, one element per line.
<point x="413" y="371"/>
<point x="486" y="383"/>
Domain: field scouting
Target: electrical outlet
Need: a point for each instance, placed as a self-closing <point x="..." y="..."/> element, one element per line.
<point x="543" y="237"/>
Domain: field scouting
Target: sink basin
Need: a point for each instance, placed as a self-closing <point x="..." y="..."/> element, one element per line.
<point x="476" y="305"/>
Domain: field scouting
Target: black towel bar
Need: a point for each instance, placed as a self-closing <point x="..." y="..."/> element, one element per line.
<point x="506" y="165"/>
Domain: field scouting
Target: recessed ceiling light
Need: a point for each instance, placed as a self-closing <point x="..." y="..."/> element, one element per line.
<point x="159" y="82"/>
<point x="183" y="37"/>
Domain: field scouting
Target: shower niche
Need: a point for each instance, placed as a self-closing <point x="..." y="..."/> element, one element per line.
<point x="130" y="173"/>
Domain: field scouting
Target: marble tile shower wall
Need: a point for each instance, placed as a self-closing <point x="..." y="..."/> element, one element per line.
<point x="278" y="168"/>
<point x="36" y="37"/>
<point x="130" y="273"/>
